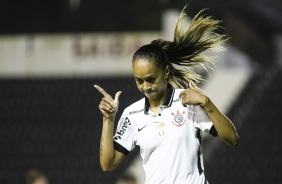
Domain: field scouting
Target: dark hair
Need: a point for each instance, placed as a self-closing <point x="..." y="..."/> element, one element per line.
<point x="186" y="49"/>
<point x="152" y="52"/>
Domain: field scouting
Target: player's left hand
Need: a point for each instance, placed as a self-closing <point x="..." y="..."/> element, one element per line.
<point x="192" y="96"/>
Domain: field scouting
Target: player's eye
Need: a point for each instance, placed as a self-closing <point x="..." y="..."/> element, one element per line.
<point x="151" y="80"/>
<point x="138" y="80"/>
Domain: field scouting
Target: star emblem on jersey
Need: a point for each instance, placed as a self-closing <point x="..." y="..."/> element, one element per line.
<point x="178" y="118"/>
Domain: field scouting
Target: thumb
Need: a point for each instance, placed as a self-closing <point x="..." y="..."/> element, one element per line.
<point x="117" y="96"/>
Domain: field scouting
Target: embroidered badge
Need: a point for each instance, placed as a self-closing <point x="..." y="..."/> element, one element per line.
<point x="178" y="119"/>
<point x="160" y="130"/>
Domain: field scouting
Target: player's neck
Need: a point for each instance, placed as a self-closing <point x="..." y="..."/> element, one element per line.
<point x="156" y="103"/>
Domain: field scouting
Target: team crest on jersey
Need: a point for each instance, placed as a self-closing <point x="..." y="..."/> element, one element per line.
<point x="178" y="118"/>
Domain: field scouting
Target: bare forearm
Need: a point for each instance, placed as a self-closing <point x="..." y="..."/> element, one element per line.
<point x="107" y="151"/>
<point x="109" y="158"/>
<point x="225" y="129"/>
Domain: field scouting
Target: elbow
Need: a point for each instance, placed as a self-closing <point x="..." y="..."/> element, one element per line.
<point x="234" y="140"/>
<point x="107" y="167"/>
<point x="231" y="140"/>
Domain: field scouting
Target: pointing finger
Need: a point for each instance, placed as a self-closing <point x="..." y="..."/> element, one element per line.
<point x="101" y="90"/>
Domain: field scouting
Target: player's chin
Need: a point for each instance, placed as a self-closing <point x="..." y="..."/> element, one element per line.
<point x="151" y="95"/>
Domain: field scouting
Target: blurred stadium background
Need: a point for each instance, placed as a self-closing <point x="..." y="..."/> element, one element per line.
<point x="52" y="52"/>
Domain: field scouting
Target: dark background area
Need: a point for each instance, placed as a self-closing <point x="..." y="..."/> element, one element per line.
<point x="54" y="125"/>
<point x="63" y="16"/>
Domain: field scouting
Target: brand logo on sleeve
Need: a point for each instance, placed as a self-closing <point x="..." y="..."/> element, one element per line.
<point x="122" y="129"/>
<point x="178" y="118"/>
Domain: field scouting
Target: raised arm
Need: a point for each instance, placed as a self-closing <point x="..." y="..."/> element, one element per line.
<point x="109" y="157"/>
<point x="224" y="127"/>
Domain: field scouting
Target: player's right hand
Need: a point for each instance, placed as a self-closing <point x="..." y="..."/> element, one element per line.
<point x="108" y="106"/>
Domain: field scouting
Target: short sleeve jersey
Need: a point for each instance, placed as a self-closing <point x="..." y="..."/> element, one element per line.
<point x="170" y="142"/>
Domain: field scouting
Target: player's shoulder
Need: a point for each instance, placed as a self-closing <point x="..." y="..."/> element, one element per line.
<point x="136" y="107"/>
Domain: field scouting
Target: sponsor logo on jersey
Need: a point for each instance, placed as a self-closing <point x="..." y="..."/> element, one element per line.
<point x="133" y="112"/>
<point x="176" y="100"/>
<point x="139" y="129"/>
<point x="126" y="123"/>
<point x="178" y="118"/>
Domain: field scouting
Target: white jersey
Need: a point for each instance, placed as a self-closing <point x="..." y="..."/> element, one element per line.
<point x="170" y="142"/>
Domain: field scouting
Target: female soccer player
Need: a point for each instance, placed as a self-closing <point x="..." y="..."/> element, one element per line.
<point x="168" y="122"/>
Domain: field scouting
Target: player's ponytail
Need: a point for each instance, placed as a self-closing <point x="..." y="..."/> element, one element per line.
<point x="186" y="50"/>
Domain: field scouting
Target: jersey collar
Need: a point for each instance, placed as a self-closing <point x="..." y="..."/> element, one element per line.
<point x="167" y="102"/>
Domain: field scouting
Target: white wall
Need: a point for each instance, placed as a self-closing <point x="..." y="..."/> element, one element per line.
<point x="70" y="55"/>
